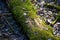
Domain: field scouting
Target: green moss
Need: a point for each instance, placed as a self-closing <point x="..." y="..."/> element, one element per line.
<point x="16" y="9"/>
<point x="58" y="16"/>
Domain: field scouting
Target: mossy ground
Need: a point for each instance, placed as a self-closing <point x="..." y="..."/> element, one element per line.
<point x="16" y="9"/>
